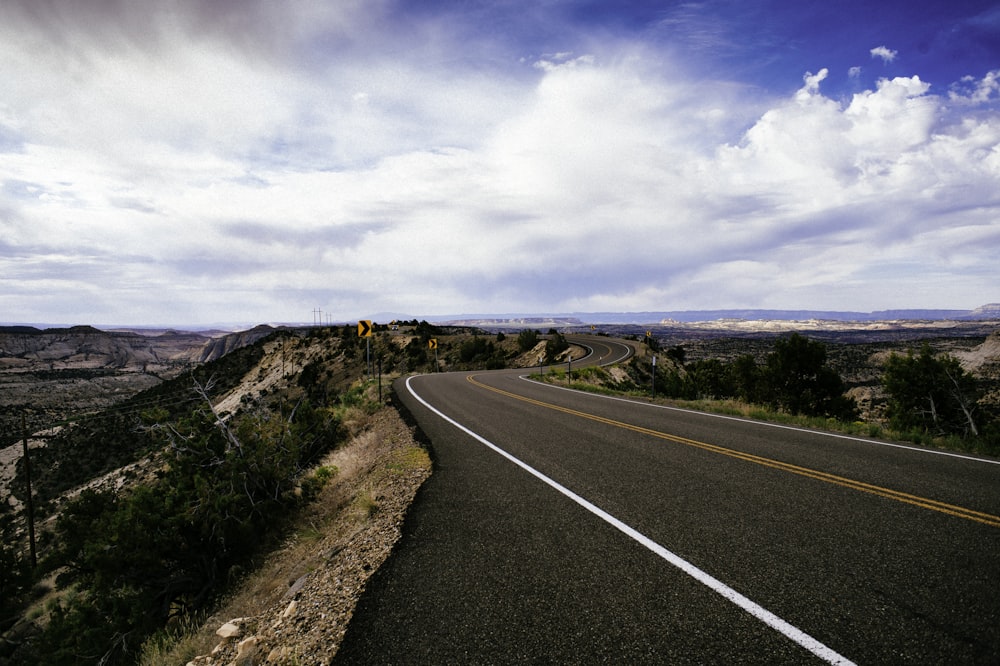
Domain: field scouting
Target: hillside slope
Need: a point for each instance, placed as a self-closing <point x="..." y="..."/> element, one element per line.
<point x="273" y="394"/>
<point x="295" y="608"/>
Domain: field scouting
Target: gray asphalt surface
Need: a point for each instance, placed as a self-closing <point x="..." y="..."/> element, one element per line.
<point x="495" y="566"/>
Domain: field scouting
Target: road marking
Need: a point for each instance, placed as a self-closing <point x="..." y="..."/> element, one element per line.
<point x="756" y="610"/>
<point x="765" y="424"/>
<point x="899" y="496"/>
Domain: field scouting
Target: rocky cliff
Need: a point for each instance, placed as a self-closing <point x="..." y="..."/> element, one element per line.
<point x="218" y="347"/>
<point x="86" y="348"/>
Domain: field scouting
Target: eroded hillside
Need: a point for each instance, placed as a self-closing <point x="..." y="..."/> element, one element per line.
<point x="52" y="374"/>
<point x="211" y="461"/>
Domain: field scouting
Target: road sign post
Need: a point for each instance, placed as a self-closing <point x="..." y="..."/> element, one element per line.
<point x="653" y="378"/>
<point x="433" y="344"/>
<point x="365" y="331"/>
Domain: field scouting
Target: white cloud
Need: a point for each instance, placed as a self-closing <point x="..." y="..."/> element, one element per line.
<point x="897" y="116"/>
<point x="236" y="183"/>
<point x="976" y="91"/>
<point x="812" y="82"/>
<point x="855" y="180"/>
<point x="887" y="55"/>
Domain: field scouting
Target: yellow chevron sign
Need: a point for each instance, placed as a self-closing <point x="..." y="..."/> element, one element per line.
<point x="365" y="328"/>
<point x="432" y="343"/>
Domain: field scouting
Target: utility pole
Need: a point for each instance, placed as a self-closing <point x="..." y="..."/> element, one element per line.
<point x="29" y="506"/>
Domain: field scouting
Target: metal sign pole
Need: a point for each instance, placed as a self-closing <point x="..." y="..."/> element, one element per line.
<point x="365" y="331"/>
<point x="433" y="344"/>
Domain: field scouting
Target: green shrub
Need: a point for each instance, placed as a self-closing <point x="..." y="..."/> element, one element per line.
<point x="526" y="340"/>
<point x="166" y="549"/>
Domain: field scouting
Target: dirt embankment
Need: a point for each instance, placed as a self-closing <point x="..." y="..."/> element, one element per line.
<point x="295" y="608"/>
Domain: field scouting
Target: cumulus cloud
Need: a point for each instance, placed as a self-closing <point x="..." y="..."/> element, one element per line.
<point x="976" y="91"/>
<point x="812" y="82"/>
<point x="887" y="55"/>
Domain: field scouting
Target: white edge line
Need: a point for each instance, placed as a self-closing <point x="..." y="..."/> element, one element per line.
<point x="767" y="617"/>
<point x="766" y="424"/>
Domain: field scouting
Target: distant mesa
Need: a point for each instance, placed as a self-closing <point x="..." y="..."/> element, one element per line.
<point x="686" y="317"/>
<point x="988" y="311"/>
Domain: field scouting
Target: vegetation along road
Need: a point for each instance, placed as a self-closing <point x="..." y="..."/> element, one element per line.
<point x="566" y="527"/>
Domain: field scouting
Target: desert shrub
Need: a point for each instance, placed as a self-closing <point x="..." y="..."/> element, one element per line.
<point x="795" y="378"/>
<point x="677" y="354"/>
<point x="526" y="340"/>
<point x="798" y="379"/>
<point x="555" y="345"/>
<point x="592" y="373"/>
<point x="479" y="352"/>
<point x="165" y="549"/>
<point x="426" y="331"/>
<point x="930" y="393"/>
<point x="15" y="570"/>
<point x="708" y="378"/>
<point x="746" y="379"/>
<point x="416" y="352"/>
<point x="474" y="348"/>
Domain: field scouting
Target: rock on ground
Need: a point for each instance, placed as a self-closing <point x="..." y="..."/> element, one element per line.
<point x="379" y="473"/>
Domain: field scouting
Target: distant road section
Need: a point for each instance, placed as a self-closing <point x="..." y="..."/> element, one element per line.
<point x="602" y="351"/>
<point x="564" y="527"/>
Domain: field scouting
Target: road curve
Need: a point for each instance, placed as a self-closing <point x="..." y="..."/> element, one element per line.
<point x="729" y="541"/>
<point x="601" y="350"/>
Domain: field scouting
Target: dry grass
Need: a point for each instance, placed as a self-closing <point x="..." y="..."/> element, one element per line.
<point x="341" y="508"/>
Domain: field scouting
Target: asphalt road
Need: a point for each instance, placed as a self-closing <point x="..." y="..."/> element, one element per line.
<point x="563" y="527"/>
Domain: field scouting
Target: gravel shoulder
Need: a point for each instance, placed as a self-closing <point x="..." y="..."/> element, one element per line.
<point x="295" y="608"/>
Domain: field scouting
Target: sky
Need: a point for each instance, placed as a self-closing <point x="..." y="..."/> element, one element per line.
<point x="241" y="161"/>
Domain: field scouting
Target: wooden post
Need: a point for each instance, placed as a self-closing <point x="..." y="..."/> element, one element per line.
<point x="29" y="506"/>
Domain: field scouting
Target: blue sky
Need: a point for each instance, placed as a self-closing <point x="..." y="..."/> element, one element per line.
<point x="193" y="163"/>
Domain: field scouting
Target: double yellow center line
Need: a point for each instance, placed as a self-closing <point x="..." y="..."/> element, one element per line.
<point x="915" y="500"/>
